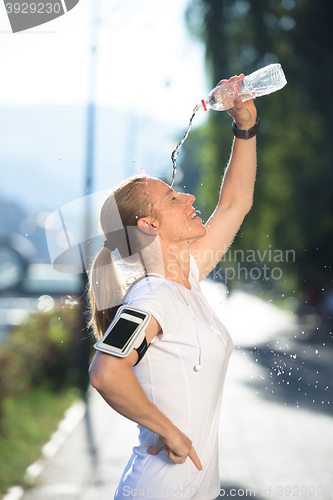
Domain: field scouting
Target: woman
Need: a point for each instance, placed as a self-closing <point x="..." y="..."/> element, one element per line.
<point x="173" y="393"/>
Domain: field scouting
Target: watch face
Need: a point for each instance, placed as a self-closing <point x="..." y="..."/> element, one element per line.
<point x="121" y="333"/>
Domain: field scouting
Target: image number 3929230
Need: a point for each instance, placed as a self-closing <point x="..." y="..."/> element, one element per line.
<point x="24" y="15"/>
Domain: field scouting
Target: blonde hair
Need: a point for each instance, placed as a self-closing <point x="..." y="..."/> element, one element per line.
<point x="118" y="220"/>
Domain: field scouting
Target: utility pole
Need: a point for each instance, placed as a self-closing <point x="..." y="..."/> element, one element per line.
<point x="84" y="344"/>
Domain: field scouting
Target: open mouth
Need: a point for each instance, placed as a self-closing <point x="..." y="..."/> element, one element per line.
<point x="194" y="214"/>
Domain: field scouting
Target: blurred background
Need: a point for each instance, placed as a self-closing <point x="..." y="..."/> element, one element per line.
<point x="107" y="91"/>
<point x="83" y="107"/>
<point x="293" y="200"/>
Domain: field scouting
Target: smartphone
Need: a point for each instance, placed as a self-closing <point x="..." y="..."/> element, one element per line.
<point x="126" y="332"/>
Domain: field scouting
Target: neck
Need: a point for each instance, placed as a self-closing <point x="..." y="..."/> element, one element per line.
<point x="171" y="261"/>
<point x="177" y="264"/>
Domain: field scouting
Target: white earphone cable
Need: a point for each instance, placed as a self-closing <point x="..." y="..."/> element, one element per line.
<point x="198" y="366"/>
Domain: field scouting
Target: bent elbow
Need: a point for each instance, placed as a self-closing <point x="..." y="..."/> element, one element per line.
<point x="243" y="206"/>
<point x="97" y="375"/>
<point x="248" y="206"/>
<point x="104" y="373"/>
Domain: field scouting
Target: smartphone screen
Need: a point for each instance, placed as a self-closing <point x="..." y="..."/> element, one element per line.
<point x="121" y="333"/>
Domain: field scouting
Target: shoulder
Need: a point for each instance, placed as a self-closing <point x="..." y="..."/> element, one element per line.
<point x="150" y="287"/>
<point x="156" y="296"/>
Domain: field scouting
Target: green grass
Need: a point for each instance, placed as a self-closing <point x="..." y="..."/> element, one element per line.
<point x="27" y="424"/>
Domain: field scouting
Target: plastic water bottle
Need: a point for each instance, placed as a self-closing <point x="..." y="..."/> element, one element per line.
<point x="262" y="82"/>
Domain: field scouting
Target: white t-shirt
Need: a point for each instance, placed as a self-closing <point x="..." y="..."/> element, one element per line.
<point x="190" y="399"/>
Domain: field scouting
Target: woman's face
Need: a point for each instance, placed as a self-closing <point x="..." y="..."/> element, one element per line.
<point x="176" y="219"/>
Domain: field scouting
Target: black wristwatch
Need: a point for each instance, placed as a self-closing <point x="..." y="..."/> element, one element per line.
<point x="245" y="134"/>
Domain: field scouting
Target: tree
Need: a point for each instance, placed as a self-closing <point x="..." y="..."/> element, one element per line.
<point x="293" y="197"/>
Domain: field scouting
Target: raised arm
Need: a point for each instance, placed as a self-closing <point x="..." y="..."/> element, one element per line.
<point x="115" y="380"/>
<point x="236" y="195"/>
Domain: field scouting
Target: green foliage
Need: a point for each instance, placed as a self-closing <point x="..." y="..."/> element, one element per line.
<point x="39" y="377"/>
<point x="293" y="203"/>
<point x="27" y="424"/>
<point x="42" y="352"/>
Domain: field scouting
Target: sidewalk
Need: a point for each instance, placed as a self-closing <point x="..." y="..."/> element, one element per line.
<point x="276" y="431"/>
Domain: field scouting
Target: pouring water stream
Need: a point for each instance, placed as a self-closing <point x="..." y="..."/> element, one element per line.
<point x="175" y="153"/>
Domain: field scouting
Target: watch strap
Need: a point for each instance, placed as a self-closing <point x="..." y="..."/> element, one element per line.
<point x="245" y="134"/>
<point x="141" y="350"/>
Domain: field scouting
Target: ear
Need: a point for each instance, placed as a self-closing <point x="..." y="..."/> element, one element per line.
<point x="147" y="226"/>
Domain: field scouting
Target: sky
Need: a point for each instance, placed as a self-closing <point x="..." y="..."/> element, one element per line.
<point x="147" y="65"/>
<point x="146" y="59"/>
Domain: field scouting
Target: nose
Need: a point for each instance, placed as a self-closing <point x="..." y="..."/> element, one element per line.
<point x="189" y="199"/>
